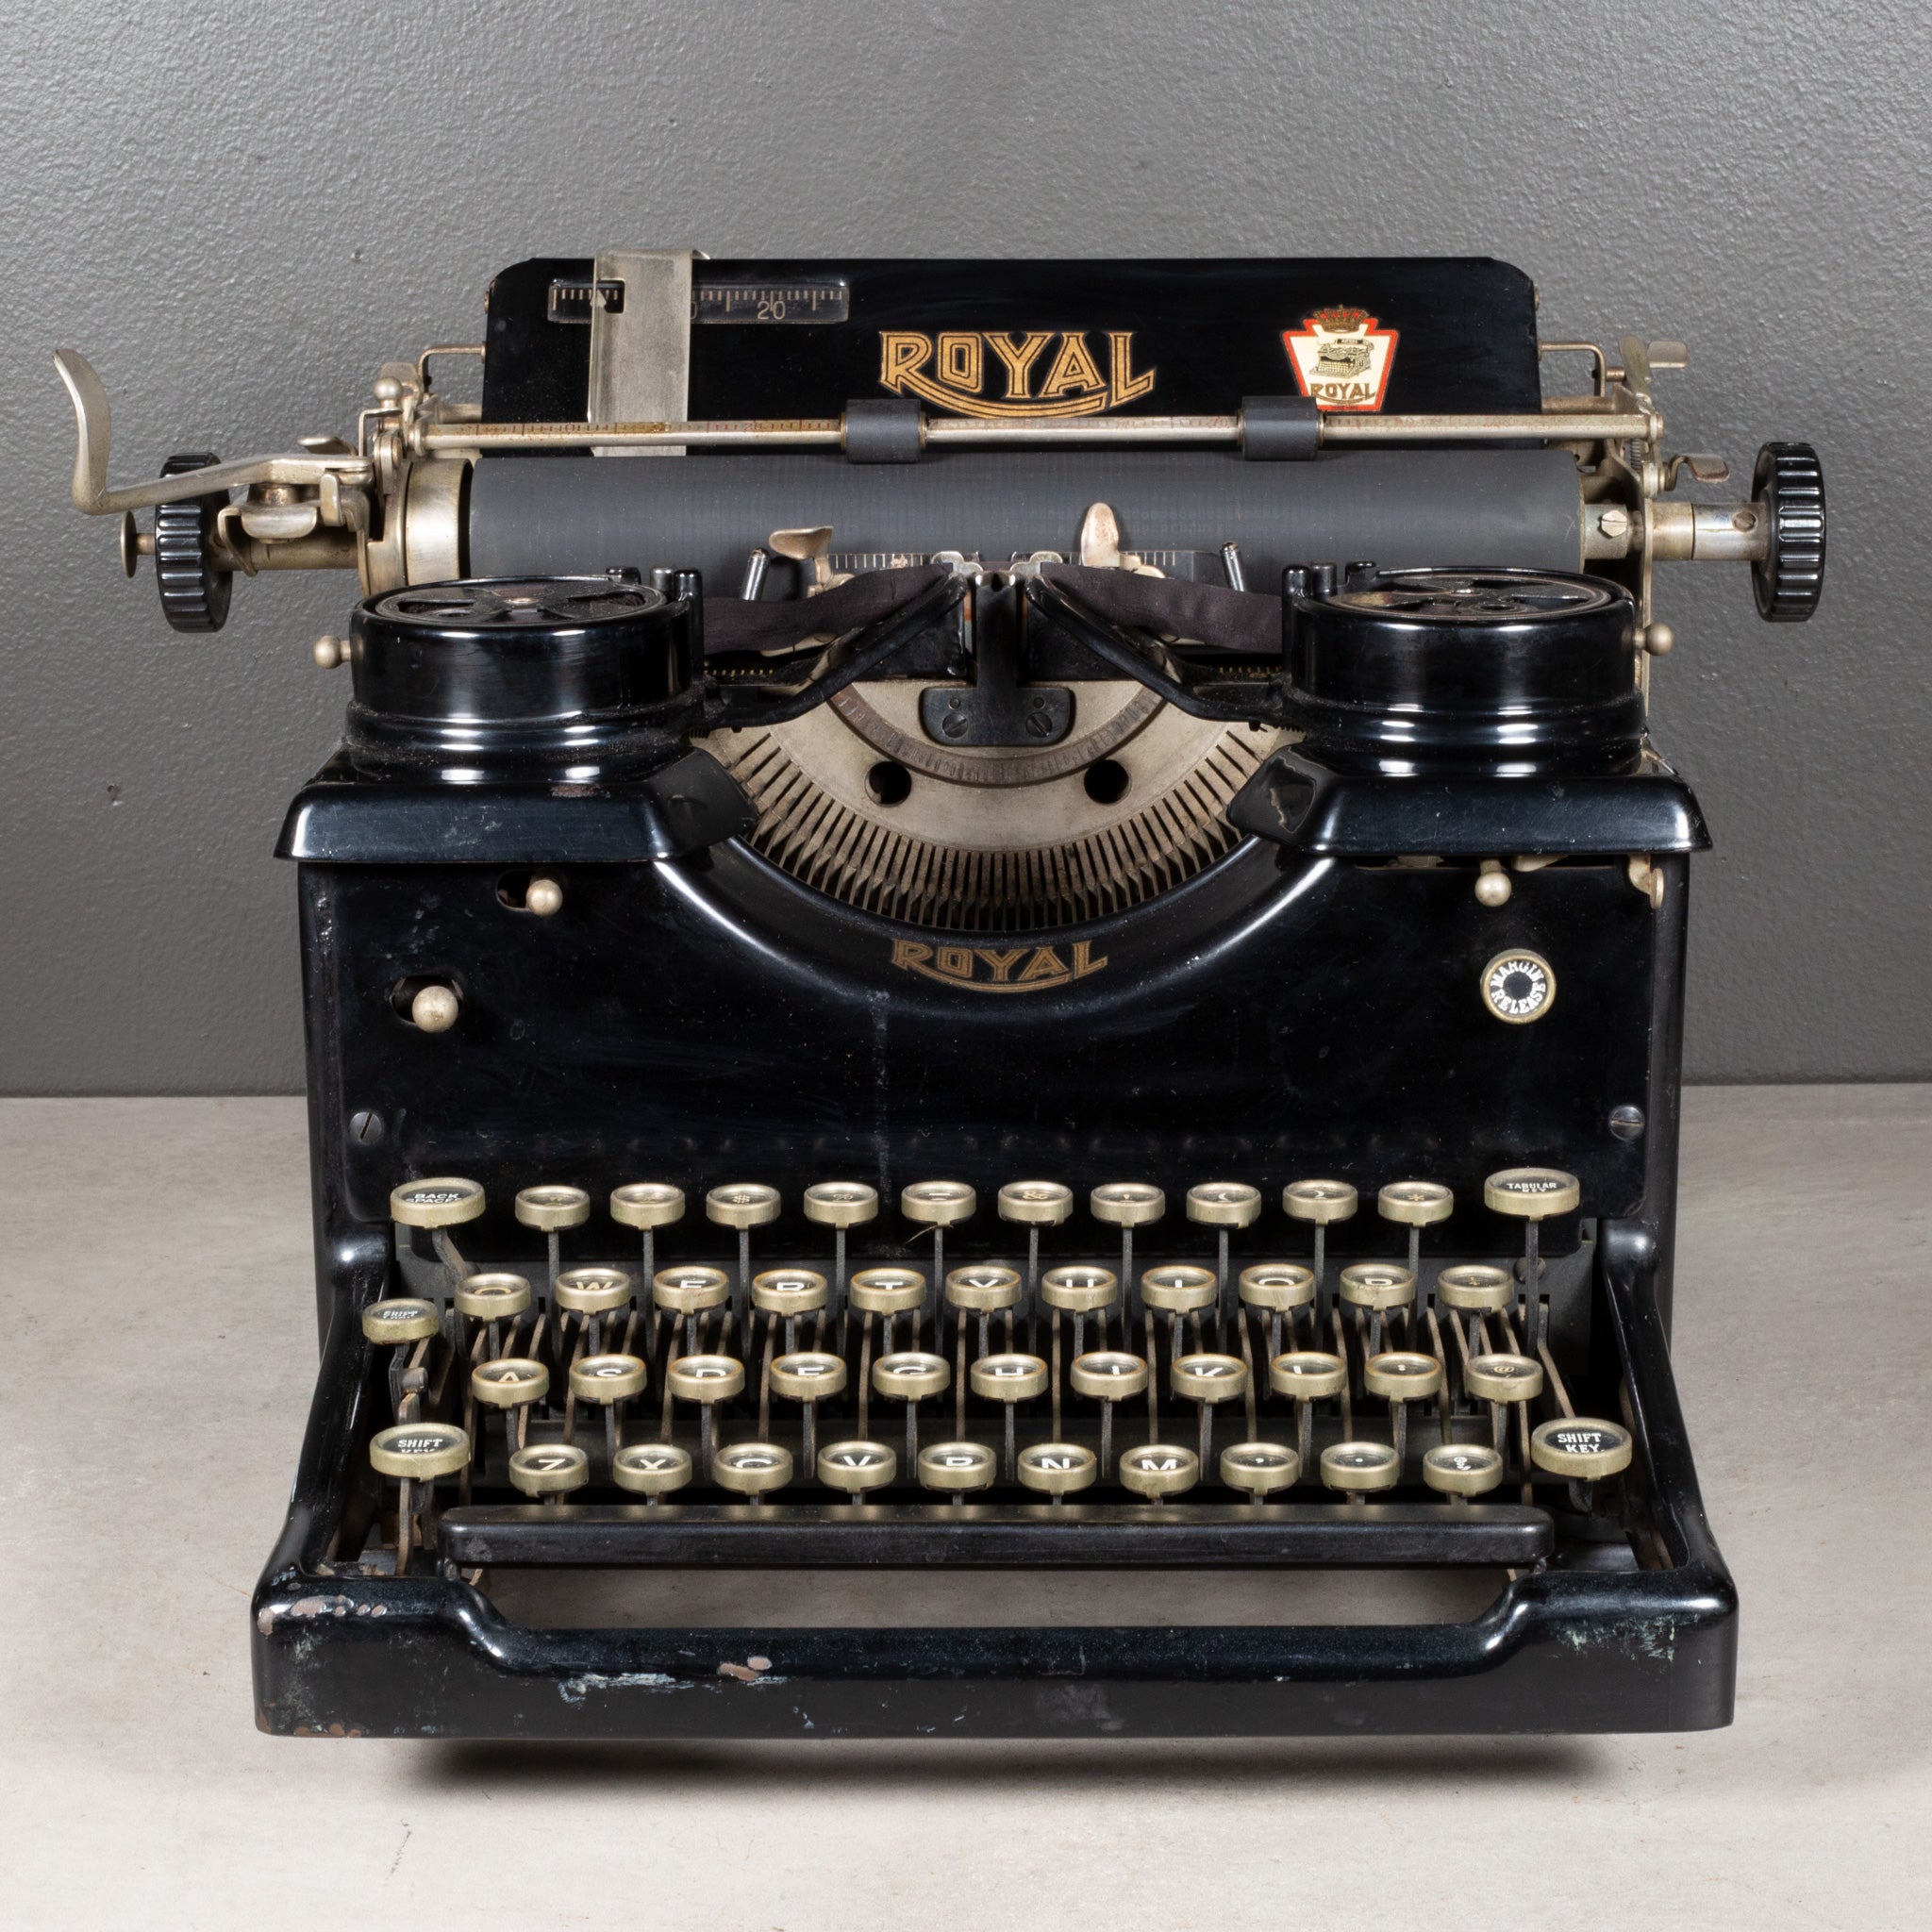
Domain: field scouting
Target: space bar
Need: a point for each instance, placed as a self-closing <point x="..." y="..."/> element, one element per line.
<point x="994" y="1535"/>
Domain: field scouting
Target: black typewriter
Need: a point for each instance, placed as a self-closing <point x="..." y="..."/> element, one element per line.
<point x="986" y="919"/>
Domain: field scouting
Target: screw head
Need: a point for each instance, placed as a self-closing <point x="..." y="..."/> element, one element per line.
<point x="1627" y="1123"/>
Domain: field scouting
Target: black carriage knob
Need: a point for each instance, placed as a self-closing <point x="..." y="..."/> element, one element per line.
<point x="194" y="595"/>
<point x="1790" y="578"/>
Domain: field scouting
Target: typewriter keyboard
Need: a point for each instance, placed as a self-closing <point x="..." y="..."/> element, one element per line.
<point x="615" y="1372"/>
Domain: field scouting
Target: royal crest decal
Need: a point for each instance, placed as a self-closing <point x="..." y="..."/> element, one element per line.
<point x="1341" y="358"/>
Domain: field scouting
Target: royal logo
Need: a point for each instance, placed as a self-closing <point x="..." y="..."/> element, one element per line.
<point x="998" y="969"/>
<point x="1341" y="358"/>
<point x="1039" y="372"/>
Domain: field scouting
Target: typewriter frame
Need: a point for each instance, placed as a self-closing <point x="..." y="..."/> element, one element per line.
<point x="339" y="1650"/>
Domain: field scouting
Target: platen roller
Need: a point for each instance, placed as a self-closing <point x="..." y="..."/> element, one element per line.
<point x="564" y="516"/>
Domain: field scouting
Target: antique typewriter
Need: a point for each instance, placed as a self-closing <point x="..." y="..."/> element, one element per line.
<point x="987" y="918"/>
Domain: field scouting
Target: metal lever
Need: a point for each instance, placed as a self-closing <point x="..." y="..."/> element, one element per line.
<point x="94" y="498"/>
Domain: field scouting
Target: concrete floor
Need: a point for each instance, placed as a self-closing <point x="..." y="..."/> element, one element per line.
<point x="153" y="1266"/>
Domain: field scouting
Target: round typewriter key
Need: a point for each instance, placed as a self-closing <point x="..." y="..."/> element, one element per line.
<point x="647" y="1205"/>
<point x="419" y="1452"/>
<point x="1209" y="1377"/>
<point x="1503" y="1378"/>
<point x="549" y="1469"/>
<point x="1377" y="1286"/>
<point x="441" y="1202"/>
<point x="808" y="1377"/>
<point x="1474" y="1288"/>
<point x="1357" y="1467"/>
<point x="401" y="1319"/>
<point x="888" y="1291"/>
<point x="1415" y="1203"/>
<point x="957" y="1467"/>
<point x="742" y="1204"/>
<point x="592" y="1291"/>
<point x="1058" y="1468"/>
<point x="910" y="1375"/>
<point x="1259" y="1468"/>
<point x="509" y="1382"/>
<point x="1580" y="1447"/>
<point x="691" y="1289"/>
<point x="705" y="1378"/>
<point x="1207" y="1380"/>
<point x="1177" y="1288"/>
<point x="1277" y="1286"/>
<point x="708" y="1380"/>
<point x="1462" y="1469"/>
<point x="788" y="1291"/>
<point x="607" y="1378"/>
<point x="938" y="1204"/>
<point x="1008" y="1377"/>
<point x="857" y="1467"/>
<point x="1158" y="1469"/>
<point x="1128" y="1203"/>
<point x="1036" y="1203"/>
<point x="549" y="1209"/>
<point x="493" y="1297"/>
<point x="1532" y="1193"/>
<point x="1322" y="1202"/>
<point x="1109" y="1374"/>
<point x="1402" y="1375"/>
<point x="983" y="1287"/>
<point x="1308" y="1375"/>
<point x="651" y="1469"/>
<point x="751" y="1468"/>
<point x="840" y="1204"/>
<point x="1078" y="1289"/>
<point x="1224" y="1204"/>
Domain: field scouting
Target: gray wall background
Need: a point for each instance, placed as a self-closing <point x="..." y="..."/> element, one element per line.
<point x="237" y="211"/>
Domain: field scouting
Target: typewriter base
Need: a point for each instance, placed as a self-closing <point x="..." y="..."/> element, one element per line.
<point x="1562" y="1649"/>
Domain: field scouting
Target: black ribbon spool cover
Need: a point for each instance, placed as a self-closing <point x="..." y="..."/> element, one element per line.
<point x="1432" y="672"/>
<point x="557" y="679"/>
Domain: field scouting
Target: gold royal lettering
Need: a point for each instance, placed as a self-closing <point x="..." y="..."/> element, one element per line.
<point x="951" y="373"/>
<point x="989" y="968"/>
